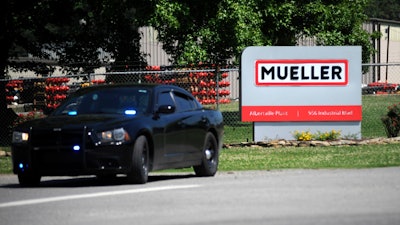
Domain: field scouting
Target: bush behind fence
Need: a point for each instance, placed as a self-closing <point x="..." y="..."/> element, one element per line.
<point x="214" y="87"/>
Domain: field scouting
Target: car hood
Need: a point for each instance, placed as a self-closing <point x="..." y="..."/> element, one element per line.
<point x="72" y="122"/>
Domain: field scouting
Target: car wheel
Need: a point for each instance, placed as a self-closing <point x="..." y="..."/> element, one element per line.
<point x="210" y="157"/>
<point x="29" y="179"/>
<point x="139" y="172"/>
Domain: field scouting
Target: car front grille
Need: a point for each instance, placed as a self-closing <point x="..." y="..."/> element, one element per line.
<point x="58" y="149"/>
<point x="56" y="140"/>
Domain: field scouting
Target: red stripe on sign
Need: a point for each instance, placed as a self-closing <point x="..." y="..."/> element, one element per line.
<point x="301" y="113"/>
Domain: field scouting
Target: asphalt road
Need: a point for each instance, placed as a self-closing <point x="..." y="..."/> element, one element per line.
<point x="366" y="196"/>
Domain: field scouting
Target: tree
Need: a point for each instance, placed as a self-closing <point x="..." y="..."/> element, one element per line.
<point x="384" y="9"/>
<point x="194" y="31"/>
<point x="70" y="33"/>
<point x="337" y="23"/>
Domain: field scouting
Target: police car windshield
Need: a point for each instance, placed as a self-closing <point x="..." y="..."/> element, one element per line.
<point x="128" y="101"/>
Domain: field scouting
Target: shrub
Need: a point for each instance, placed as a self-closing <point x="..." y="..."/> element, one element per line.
<point x="320" y="136"/>
<point x="327" y="136"/>
<point x="303" y="135"/>
<point x="391" y="120"/>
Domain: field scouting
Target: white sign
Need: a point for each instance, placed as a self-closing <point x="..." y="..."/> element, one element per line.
<point x="301" y="72"/>
<point x="287" y="88"/>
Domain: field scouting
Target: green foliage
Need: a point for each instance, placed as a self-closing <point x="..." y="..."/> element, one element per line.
<point x="384" y="9"/>
<point x="337" y="23"/>
<point x="241" y="26"/>
<point x="327" y="136"/>
<point x="5" y="165"/>
<point x="72" y="32"/>
<point x="320" y="136"/>
<point x="373" y="107"/>
<point x="391" y="120"/>
<point x="303" y="135"/>
<point x="192" y="31"/>
<point x="196" y="31"/>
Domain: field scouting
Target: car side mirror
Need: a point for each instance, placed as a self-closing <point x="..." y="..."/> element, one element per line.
<point x="166" y="109"/>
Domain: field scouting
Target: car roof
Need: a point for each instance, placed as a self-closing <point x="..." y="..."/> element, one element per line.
<point x="135" y="85"/>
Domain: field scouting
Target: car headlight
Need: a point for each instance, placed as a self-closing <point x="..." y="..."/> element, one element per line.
<point x="117" y="135"/>
<point x="20" y="137"/>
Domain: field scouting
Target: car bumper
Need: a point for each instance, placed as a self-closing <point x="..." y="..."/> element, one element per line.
<point x="111" y="159"/>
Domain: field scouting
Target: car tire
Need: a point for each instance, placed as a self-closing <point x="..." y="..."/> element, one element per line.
<point x="210" y="157"/>
<point x="139" y="172"/>
<point x="28" y="179"/>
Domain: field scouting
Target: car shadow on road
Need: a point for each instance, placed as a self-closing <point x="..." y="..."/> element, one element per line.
<point x="91" y="181"/>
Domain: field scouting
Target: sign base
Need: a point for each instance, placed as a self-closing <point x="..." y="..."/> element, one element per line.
<point x="266" y="131"/>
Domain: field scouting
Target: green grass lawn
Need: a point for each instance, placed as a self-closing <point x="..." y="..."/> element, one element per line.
<point x="367" y="156"/>
<point x="5" y="165"/>
<point x="374" y="107"/>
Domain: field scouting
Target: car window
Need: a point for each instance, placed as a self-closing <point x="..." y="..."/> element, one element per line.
<point x="184" y="102"/>
<point x="165" y="98"/>
<point x="128" y="101"/>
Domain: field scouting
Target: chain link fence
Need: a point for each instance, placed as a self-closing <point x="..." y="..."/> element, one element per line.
<point x="380" y="78"/>
<point x="214" y="86"/>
